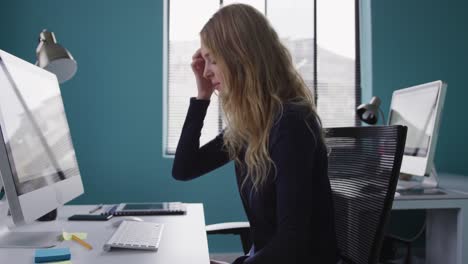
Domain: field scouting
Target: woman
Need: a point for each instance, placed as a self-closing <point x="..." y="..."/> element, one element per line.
<point x="273" y="134"/>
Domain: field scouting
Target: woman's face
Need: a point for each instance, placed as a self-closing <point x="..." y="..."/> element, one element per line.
<point x="212" y="70"/>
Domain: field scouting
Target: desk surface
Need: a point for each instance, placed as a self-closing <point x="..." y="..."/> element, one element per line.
<point x="455" y="186"/>
<point x="183" y="240"/>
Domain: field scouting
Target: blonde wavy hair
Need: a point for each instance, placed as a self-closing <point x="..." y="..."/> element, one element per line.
<point x="259" y="77"/>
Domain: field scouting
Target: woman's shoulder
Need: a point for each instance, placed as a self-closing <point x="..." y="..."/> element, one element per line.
<point x="298" y="126"/>
<point x="296" y="121"/>
<point x="293" y="114"/>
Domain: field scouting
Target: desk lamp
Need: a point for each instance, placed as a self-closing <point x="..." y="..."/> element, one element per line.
<point x="369" y="113"/>
<point x="54" y="58"/>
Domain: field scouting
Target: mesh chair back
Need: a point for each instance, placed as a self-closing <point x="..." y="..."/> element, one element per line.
<point x="363" y="167"/>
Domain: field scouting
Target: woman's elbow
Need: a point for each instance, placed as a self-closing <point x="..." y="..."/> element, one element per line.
<point x="180" y="174"/>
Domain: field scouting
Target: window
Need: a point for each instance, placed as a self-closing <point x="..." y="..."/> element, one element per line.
<point x="322" y="37"/>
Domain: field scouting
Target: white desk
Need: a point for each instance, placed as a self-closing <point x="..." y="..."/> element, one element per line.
<point x="447" y="219"/>
<point x="183" y="240"/>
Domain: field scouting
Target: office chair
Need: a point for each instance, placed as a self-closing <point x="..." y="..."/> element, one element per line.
<point x="363" y="168"/>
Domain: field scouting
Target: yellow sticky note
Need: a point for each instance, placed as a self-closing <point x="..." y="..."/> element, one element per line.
<point x="68" y="236"/>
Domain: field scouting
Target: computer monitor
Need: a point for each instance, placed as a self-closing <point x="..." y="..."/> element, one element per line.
<point x="38" y="166"/>
<point x="420" y="109"/>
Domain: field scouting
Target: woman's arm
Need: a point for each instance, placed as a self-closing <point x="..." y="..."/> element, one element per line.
<point x="190" y="160"/>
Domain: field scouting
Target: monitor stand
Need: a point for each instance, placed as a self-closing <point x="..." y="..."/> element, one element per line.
<point x="12" y="238"/>
<point x="407" y="181"/>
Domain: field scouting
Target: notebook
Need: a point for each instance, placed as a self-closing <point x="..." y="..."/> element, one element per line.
<point x="164" y="208"/>
<point x="51" y="254"/>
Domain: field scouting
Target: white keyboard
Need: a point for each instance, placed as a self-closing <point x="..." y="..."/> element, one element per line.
<point x="136" y="235"/>
<point x="406" y="185"/>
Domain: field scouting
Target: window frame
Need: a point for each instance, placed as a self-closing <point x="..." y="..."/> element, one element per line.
<point x="357" y="72"/>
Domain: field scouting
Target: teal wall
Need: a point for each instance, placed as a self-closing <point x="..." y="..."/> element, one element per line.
<point x="419" y="41"/>
<point x="114" y="102"/>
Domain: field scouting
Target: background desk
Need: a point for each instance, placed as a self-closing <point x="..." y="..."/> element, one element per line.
<point x="447" y="219"/>
<point x="183" y="240"/>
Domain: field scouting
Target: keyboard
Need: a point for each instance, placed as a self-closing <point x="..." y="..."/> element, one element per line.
<point x="405" y="185"/>
<point x="136" y="235"/>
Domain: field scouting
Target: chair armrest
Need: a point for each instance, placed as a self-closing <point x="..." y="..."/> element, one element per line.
<point x="235" y="228"/>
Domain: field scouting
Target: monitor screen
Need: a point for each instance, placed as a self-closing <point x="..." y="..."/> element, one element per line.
<point x="38" y="166"/>
<point x="415" y="109"/>
<point x="419" y="108"/>
<point x="35" y="130"/>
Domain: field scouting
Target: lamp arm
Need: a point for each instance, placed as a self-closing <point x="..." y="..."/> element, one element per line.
<point x="383" y="116"/>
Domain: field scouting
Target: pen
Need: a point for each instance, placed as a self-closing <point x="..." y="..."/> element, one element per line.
<point x="95" y="209"/>
<point x="111" y="211"/>
<point x="81" y="242"/>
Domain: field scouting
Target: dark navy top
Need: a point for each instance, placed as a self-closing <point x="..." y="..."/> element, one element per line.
<point x="291" y="217"/>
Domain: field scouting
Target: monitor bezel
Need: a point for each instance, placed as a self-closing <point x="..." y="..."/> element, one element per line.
<point x="416" y="165"/>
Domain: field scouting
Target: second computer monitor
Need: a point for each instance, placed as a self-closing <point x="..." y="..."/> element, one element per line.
<point x="419" y="108"/>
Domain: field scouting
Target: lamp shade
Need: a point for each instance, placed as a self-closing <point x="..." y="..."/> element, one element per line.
<point x="369" y="112"/>
<point x="55" y="58"/>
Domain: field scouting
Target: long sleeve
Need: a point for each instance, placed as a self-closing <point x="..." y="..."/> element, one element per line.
<point x="304" y="220"/>
<point x="190" y="159"/>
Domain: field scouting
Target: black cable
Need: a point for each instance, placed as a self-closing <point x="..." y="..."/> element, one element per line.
<point x="412" y="239"/>
<point x="383" y="117"/>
